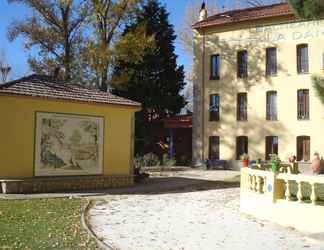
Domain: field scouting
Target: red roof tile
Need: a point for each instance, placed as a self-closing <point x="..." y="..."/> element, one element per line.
<point x="48" y="87"/>
<point x="255" y="13"/>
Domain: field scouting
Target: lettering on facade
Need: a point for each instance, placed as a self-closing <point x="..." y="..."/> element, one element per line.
<point x="282" y="32"/>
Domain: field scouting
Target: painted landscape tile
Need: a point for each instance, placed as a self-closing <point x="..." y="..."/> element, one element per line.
<point x="68" y="145"/>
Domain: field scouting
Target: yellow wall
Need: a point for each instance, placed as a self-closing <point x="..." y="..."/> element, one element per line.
<point x="17" y="133"/>
<point x="226" y="41"/>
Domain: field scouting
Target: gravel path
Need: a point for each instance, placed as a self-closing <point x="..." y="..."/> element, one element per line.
<point x="204" y="220"/>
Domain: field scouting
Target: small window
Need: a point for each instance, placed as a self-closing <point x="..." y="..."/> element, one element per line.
<point x="242" y="64"/>
<point x="271" y="146"/>
<point x="302" y="59"/>
<point x="303" y="148"/>
<point x="241" y="146"/>
<point x="271" y="106"/>
<point x="242" y="107"/>
<point x="215" y="67"/>
<point x="271" y="61"/>
<point x="214" y="147"/>
<point x="303" y="104"/>
<point x="214" y="107"/>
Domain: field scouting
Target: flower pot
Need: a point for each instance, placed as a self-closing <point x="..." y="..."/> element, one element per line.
<point x="245" y="163"/>
<point x="275" y="167"/>
<point x="316" y="166"/>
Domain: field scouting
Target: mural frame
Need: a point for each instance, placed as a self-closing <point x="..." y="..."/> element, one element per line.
<point x="38" y="115"/>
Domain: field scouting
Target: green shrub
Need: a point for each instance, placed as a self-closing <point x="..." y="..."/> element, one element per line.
<point x="166" y="161"/>
<point x="148" y="160"/>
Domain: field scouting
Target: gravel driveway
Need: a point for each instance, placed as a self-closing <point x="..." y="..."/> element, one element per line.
<point x="188" y="220"/>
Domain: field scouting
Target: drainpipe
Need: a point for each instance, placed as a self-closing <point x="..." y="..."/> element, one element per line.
<point x="203" y="94"/>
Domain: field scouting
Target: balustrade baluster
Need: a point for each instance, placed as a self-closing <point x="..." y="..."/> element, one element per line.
<point x="313" y="196"/>
<point x="264" y="185"/>
<point x="249" y="182"/>
<point x="288" y="192"/>
<point x="300" y="191"/>
<point x="258" y="184"/>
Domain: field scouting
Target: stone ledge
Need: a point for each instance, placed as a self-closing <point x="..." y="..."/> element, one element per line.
<point x="59" y="184"/>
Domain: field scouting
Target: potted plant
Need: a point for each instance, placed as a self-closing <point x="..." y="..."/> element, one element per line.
<point x="275" y="162"/>
<point x="245" y="160"/>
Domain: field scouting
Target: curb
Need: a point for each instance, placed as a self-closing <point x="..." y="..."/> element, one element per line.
<point x="86" y="226"/>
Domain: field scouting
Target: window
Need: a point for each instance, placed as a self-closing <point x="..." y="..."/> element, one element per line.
<point x="303" y="148"/>
<point x="303" y="104"/>
<point x="214" y="107"/>
<point x="302" y="58"/>
<point x="241" y="146"/>
<point x="271" y="61"/>
<point x="215" y="67"/>
<point x="242" y="106"/>
<point x="271" y="106"/>
<point x="242" y="64"/>
<point x="323" y="61"/>
<point x="271" y="146"/>
<point x="214" y="148"/>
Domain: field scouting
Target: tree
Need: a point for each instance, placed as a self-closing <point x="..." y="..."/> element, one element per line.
<point x="55" y="30"/>
<point x="308" y="9"/>
<point x="318" y="84"/>
<point x="156" y="81"/>
<point x="107" y="18"/>
<point x="311" y="9"/>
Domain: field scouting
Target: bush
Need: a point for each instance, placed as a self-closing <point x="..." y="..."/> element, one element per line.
<point x="148" y="160"/>
<point x="166" y="161"/>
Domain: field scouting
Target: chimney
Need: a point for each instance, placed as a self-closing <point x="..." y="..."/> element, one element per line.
<point x="203" y="12"/>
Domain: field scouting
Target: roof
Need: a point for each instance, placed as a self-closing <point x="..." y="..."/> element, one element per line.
<point x="255" y="13"/>
<point x="47" y="87"/>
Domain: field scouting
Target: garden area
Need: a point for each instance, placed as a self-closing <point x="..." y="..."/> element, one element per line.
<point x="43" y="224"/>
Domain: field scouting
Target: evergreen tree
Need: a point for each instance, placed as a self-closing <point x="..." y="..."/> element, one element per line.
<point x="155" y="81"/>
<point x="308" y="9"/>
<point x="311" y="9"/>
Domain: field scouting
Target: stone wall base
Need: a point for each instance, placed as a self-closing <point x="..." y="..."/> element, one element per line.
<point x="63" y="184"/>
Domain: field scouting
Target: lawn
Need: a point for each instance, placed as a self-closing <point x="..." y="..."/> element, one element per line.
<point x="42" y="224"/>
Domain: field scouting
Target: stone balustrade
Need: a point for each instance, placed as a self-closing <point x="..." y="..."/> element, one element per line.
<point x="301" y="180"/>
<point x="293" y="200"/>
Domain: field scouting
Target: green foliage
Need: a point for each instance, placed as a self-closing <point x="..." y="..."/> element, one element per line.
<point x="274" y="159"/>
<point x="166" y="161"/>
<point x="318" y="84"/>
<point x="148" y="160"/>
<point x="81" y="37"/>
<point x="308" y="9"/>
<point x="42" y="224"/>
<point x="156" y="80"/>
<point x="55" y="30"/>
<point x="244" y="157"/>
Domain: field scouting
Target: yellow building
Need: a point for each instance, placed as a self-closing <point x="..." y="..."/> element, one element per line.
<point x="252" y="89"/>
<point x="80" y="138"/>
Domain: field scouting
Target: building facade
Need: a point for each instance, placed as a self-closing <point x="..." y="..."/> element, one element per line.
<point x="58" y="136"/>
<point x="253" y="90"/>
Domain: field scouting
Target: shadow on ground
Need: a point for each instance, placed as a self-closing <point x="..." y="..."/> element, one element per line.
<point x="164" y="185"/>
<point x="154" y="185"/>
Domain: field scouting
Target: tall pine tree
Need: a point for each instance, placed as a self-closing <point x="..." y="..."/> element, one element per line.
<point x="155" y="81"/>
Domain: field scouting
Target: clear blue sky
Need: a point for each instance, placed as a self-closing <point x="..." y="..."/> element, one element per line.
<point x="17" y="55"/>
